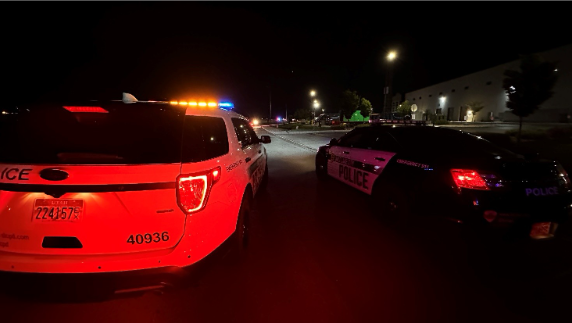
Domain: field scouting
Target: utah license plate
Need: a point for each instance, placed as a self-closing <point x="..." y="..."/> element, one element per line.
<point x="57" y="210"/>
<point x="542" y="230"/>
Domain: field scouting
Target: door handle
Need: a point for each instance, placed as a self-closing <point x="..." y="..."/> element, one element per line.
<point x="379" y="158"/>
<point x="248" y="159"/>
<point x="346" y="152"/>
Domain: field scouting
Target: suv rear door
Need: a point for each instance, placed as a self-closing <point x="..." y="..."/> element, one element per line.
<point x="97" y="178"/>
<point x="252" y="150"/>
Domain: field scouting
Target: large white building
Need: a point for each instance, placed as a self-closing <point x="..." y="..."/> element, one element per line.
<point x="450" y="98"/>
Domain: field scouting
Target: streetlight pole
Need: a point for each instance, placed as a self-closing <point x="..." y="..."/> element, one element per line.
<point x="388" y="80"/>
<point x="313" y="94"/>
<point x="316" y="105"/>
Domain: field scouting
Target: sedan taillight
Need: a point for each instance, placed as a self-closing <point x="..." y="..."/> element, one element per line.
<point x="467" y="178"/>
<point x="193" y="189"/>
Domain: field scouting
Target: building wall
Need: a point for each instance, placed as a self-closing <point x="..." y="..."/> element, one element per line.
<point x="486" y="86"/>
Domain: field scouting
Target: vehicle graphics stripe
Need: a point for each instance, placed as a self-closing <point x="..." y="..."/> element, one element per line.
<point x="370" y="168"/>
<point x="11" y="187"/>
<point x="252" y="168"/>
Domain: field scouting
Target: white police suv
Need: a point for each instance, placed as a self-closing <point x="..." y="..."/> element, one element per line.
<point x="124" y="185"/>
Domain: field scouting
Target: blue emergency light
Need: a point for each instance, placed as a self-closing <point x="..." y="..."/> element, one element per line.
<point x="226" y="105"/>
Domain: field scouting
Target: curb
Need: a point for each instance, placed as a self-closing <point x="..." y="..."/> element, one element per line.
<point x="295" y="132"/>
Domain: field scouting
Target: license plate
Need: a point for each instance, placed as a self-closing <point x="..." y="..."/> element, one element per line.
<point x="57" y="210"/>
<point x="542" y="230"/>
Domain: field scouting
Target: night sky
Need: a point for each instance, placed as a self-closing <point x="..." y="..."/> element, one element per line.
<point x="241" y="51"/>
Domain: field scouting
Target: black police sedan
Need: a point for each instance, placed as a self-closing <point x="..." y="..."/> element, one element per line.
<point x="450" y="173"/>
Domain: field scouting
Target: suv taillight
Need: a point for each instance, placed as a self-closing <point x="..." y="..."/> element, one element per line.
<point x="467" y="178"/>
<point x="193" y="189"/>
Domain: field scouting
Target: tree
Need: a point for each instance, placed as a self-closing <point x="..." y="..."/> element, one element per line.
<point x="365" y="107"/>
<point x="404" y="108"/>
<point x="528" y="88"/>
<point x="302" y="114"/>
<point x="349" y="103"/>
<point x="475" y="106"/>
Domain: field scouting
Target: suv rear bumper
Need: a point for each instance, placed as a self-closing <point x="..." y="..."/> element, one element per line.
<point x="103" y="285"/>
<point x="176" y="257"/>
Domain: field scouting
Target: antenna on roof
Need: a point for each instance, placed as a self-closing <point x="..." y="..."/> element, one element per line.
<point x="128" y="98"/>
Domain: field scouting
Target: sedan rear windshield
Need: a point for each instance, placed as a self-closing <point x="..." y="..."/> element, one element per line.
<point x="111" y="133"/>
<point x="446" y="142"/>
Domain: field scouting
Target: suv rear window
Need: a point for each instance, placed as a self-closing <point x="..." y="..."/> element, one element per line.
<point x="138" y="133"/>
<point x="244" y="132"/>
<point x="204" y="138"/>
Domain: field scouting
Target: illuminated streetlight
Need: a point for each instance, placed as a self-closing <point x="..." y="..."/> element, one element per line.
<point x="312" y="93"/>
<point x="392" y="55"/>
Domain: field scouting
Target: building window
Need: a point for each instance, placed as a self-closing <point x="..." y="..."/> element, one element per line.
<point x="419" y="98"/>
<point x="430" y="95"/>
<point x="438" y="111"/>
<point x="489" y="83"/>
<point x="466" y="87"/>
<point x="453" y="90"/>
<point x="413" y="99"/>
<point x="440" y="93"/>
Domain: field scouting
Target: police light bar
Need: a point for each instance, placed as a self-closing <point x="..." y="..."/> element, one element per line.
<point x="203" y="104"/>
<point x="129" y="98"/>
<point x="226" y="104"/>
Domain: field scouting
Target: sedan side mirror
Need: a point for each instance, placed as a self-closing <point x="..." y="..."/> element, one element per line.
<point x="333" y="142"/>
<point x="265" y="139"/>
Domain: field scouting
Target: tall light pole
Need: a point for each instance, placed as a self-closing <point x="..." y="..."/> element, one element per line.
<point x="388" y="80"/>
<point x="313" y="95"/>
<point x="316" y="106"/>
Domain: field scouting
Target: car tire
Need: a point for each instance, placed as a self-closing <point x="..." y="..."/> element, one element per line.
<point x="264" y="181"/>
<point x="321" y="169"/>
<point x="241" y="234"/>
<point x="391" y="203"/>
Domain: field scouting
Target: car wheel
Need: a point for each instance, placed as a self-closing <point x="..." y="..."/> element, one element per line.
<point x="241" y="235"/>
<point x="391" y="204"/>
<point x="264" y="181"/>
<point x="321" y="169"/>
